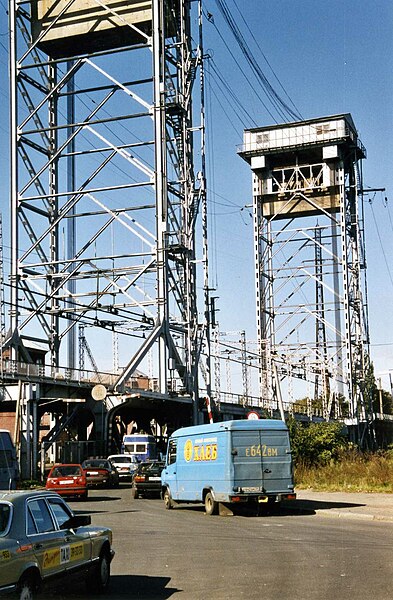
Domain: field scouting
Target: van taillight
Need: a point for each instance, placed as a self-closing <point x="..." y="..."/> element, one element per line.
<point x="139" y="478"/>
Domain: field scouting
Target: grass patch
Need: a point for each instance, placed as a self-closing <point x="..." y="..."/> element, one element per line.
<point x="30" y="484"/>
<point x="353" y="472"/>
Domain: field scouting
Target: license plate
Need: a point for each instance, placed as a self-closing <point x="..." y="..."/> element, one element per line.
<point x="65" y="481"/>
<point x="154" y="478"/>
<point x="93" y="473"/>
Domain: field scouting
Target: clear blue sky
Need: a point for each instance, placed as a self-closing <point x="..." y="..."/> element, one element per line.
<point x="330" y="57"/>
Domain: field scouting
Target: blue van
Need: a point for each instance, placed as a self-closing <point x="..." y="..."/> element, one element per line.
<point x="243" y="461"/>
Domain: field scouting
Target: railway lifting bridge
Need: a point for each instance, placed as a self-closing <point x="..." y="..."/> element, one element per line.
<point x="109" y="229"/>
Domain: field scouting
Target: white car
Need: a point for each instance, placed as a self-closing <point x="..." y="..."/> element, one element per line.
<point x="126" y="464"/>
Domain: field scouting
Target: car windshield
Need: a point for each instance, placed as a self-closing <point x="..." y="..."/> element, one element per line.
<point x="121" y="459"/>
<point x="5" y="513"/>
<point x="151" y="467"/>
<point x="66" y="471"/>
<point x="97" y="464"/>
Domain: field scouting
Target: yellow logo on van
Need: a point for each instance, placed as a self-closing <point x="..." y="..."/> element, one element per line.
<point x="188" y="450"/>
<point x="205" y="452"/>
<point x="201" y="451"/>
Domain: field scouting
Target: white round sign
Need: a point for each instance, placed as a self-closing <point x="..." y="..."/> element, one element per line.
<point x="98" y="392"/>
<point x="253" y="415"/>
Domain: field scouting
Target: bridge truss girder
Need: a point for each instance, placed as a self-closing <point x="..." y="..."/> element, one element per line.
<point x="107" y="194"/>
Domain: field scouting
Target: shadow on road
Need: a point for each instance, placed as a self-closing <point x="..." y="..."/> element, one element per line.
<point x="103" y="498"/>
<point x="310" y="507"/>
<point x="140" y="586"/>
<point x="120" y="588"/>
<point x="287" y="509"/>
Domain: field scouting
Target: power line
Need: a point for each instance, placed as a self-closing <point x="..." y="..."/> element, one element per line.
<point x="241" y="69"/>
<point x="282" y="108"/>
<point x="231" y="94"/>
<point x="381" y="244"/>
<point x="386" y="205"/>
<point x="265" y="58"/>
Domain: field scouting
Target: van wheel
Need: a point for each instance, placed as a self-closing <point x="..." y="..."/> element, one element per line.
<point x="211" y="506"/>
<point x="168" y="500"/>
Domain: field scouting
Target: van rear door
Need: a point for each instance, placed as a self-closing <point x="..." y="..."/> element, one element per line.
<point x="276" y="461"/>
<point x="262" y="461"/>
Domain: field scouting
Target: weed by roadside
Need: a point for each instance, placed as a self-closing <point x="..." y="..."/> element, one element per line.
<point x="354" y="472"/>
<point x="30" y="484"/>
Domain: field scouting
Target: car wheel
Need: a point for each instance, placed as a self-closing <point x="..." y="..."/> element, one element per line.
<point x="99" y="577"/>
<point x="211" y="506"/>
<point x="168" y="500"/>
<point x="27" y="587"/>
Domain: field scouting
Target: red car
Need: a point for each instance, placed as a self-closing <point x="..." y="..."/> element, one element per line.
<point x="67" y="480"/>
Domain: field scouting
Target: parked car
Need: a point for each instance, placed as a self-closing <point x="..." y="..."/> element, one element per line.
<point x="67" y="480"/>
<point x="100" y="472"/>
<point x="147" y="479"/>
<point x="126" y="464"/>
<point x="41" y="539"/>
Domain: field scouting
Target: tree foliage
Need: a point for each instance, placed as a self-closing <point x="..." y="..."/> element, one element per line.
<point x="381" y="399"/>
<point x="317" y="443"/>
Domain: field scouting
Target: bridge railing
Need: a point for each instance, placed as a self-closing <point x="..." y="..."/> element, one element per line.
<point x="14" y="370"/>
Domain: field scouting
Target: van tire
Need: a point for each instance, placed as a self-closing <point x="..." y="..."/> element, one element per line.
<point x="167" y="500"/>
<point x="211" y="506"/>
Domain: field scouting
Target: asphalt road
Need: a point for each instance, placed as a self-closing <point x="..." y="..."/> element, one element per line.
<point x="184" y="554"/>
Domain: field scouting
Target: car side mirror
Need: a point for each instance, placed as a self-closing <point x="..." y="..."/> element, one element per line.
<point x="76" y="521"/>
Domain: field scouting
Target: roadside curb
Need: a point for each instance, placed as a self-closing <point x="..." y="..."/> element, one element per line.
<point x="341" y="514"/>
<point x="353" y="515"/>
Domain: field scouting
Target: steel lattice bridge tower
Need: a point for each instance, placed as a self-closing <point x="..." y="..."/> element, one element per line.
<point x="310" y="264"/>
<point x="108" y="197"/>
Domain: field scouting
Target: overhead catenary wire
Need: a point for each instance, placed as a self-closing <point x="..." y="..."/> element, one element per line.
<point x="282" y="108"/>
<point x="225" y="112"/>
<point x="387" y="206"/>
<point x="236" y="101"/>
<point x="242" y="70"/>
<point x="265" y="58"/>
<point x="380" y="243"/>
